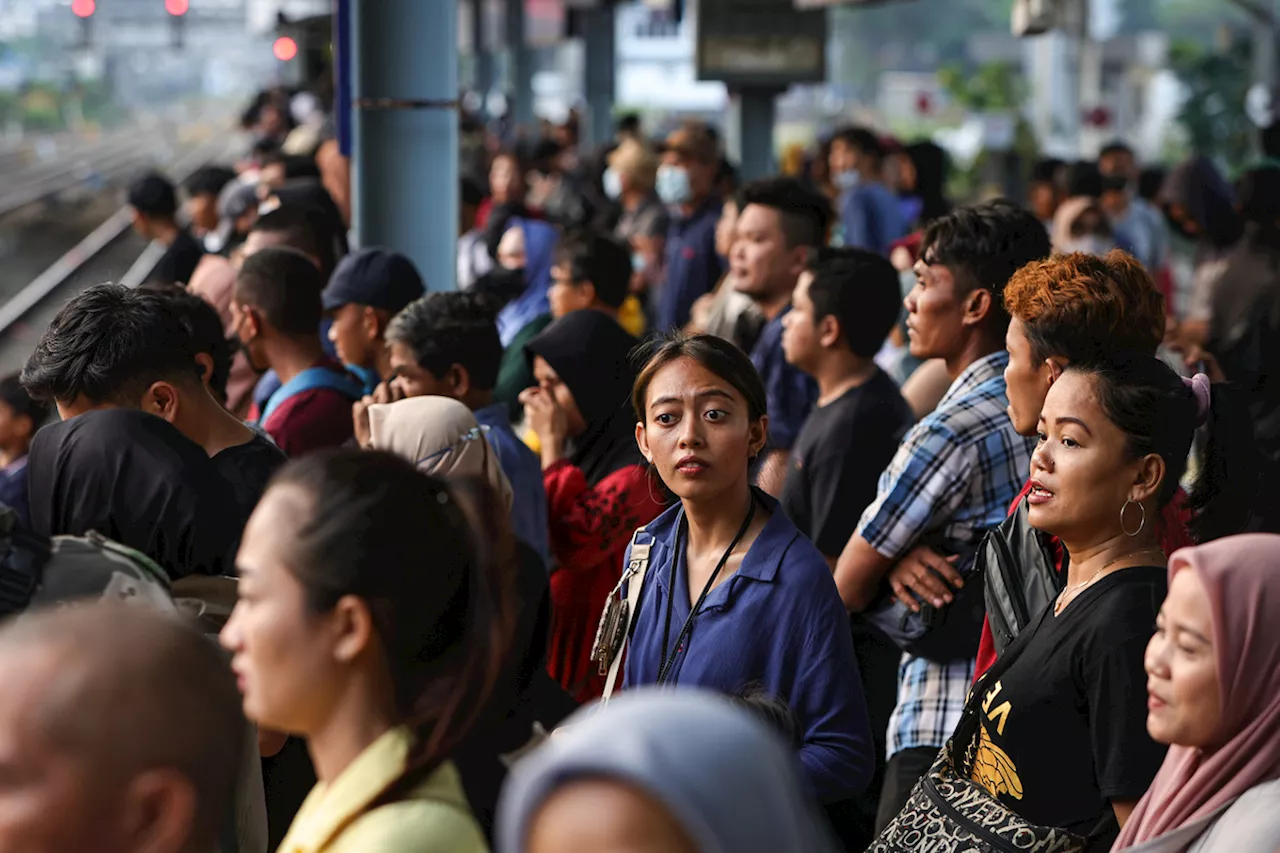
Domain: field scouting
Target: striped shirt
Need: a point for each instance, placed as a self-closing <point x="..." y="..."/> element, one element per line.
<point x="953" y="477"/>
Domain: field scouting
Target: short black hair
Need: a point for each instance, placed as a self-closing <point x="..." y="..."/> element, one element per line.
<point x="1047" y="171"/>
<point x="154" y="197"/>
<point x="285" y="286"/>
<point x="13" y="395"/>
<point x="861" y="290"/>
<point x="1115" y="146"/>
<point x="109" y="344"/>
<point x="628" y="123"/>
<point x="861" y="140"/>
<point x="295" y="165"/>
<point x="304" y="228"/>
<point x="1258" y="192"/>
<point x="209" y="180"/>
<point x="203" y="324"/>
<point x="600" y="259"/>
<point x="984" y="245"/>
<point x="447" y="328"/>
<point x="804" y="212"/>
<point x="727" y="173"/>
<point x="1150" y="182"/>
<point x="1084" y="179"/>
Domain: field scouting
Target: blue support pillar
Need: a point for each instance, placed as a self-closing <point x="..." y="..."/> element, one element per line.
<point x="598" y="69"/>
<point x="405" y="168"/>
<point x="519" y="66"/>
<point x="484" y="59"/>
<point x="755" y="115"/>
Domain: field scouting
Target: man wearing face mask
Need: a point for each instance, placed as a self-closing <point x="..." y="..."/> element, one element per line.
<point x="1132" y="215"/>
<point x="689" y="163"/>
<point x="870" y="217"/>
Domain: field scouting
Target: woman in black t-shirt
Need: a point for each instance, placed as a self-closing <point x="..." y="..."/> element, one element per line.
<point x="1063" y="739"/>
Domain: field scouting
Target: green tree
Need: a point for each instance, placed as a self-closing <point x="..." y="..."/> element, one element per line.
<point x="1213" y="113"/>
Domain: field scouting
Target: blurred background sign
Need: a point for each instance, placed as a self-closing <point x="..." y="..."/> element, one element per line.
<point x="760" y="43"/>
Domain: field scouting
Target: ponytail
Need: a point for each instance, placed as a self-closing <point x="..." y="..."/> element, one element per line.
<point x="435" y="578"/>
<point x="1227" y="484"/>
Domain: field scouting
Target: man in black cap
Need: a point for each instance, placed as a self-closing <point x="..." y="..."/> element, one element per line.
<point x="155" y="207"/>
<point x="367" y="289"/>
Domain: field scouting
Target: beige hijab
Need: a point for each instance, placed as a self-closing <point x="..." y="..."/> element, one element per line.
<point x="441" y="437"/>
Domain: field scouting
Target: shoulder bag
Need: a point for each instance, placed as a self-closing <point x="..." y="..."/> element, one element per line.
<point x="1019" y="576"/>
<point x="618" y="618"/>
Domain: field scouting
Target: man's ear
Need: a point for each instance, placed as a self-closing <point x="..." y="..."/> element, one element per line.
<point x="205" y="361"/>
<point x="977" y="306"/>
<point x="461" y="379"/>
<point x="829" y="331"/>
<point x="161" y="399"/>
<point x="1056" y="365"/>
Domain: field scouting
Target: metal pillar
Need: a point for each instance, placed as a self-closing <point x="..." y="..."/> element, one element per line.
<point x="405" y="169"/>
<point x="480" y="49"/>
<point x="752" y="116"/>
<point x="598" y="34"/>
<point x="519" y="66"/>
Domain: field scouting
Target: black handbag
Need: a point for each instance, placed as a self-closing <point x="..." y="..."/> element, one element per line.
<point x="1019" y="576"/>
<point x="941" y="634"/>
<point x="948" y="811"/>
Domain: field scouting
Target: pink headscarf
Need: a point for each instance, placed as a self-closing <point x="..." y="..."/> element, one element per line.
<point x="1241" y="576"/>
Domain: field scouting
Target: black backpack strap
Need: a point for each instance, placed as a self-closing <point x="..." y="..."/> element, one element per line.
<point x="21" y="569"/>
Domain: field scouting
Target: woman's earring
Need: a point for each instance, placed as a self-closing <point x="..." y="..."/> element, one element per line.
<point x="1141" y="524"/>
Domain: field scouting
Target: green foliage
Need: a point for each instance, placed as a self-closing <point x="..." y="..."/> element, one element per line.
<point x="992" y="87"/>
<point x="1213" y="113"/>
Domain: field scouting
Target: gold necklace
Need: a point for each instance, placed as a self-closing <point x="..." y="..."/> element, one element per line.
<point x="1064" y="600"/>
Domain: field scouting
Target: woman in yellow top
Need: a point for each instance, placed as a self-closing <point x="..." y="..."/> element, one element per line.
<point x="370" y="622"/>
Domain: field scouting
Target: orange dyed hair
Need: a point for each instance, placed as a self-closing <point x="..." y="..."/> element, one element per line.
<point x="1081" y="306"/>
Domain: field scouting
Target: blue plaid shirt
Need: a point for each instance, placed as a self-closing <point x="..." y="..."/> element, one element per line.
<point x="954" y="476"/>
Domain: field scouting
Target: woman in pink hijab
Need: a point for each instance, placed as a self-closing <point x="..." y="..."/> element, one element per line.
<point x="1213" y="680"/>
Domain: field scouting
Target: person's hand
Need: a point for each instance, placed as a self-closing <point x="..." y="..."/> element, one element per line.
<point x="544" y="416"/>
<point x="385" y="393"/>
<point x="926" y="574"/>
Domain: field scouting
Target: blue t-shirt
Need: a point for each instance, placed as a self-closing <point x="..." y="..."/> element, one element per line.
<point x="524" y="471"/>
<point x="789" y="391"/>
<point x="777" y="622"/>
<point x="692" y="265"/>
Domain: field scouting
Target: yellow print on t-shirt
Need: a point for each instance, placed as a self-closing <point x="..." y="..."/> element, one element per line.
<point x="993" y="769"/>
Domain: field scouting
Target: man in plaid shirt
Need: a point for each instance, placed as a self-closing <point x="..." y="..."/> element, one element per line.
<point x="956" y="471"/>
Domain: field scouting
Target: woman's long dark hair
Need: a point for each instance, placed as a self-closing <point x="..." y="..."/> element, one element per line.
<point x="1157" y="412"/>
<point x="437" y="583"/>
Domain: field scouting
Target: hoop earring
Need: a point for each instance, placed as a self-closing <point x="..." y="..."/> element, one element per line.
<point x="1141" y="524"/>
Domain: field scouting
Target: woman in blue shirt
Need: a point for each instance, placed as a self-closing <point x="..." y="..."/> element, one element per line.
<point x="734" y="595"/>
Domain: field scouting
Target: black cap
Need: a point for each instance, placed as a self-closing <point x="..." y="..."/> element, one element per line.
<point x="378" y="278"/>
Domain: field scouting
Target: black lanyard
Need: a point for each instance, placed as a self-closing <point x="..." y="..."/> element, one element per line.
<point x="669" y="657"/>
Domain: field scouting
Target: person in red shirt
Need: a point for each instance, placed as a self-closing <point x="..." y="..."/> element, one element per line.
<point x="276" y="312"/>
<point x="599" y="491"/>
<point x="1069" y="308"/>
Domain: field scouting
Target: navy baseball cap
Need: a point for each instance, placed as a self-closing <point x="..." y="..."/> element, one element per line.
<point x="379" y="278"/>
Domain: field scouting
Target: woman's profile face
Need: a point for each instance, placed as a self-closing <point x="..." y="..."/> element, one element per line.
<point x="511" y="251"/>
<point x="1081" y="474"/>
<point x="280" y="648"/>
<point x="504" y="181"/>
<point x="603" y="816"/>
<point x="697" y="430"/>
<point x="1184" y="705"/>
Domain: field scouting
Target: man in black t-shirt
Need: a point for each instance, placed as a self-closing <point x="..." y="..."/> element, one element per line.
<point x="155" y="207"/>
<point x="113" y="347"/>
<point x="842" y="309"/>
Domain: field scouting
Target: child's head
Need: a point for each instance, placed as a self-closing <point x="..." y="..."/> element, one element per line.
<point x="20" y="416"/>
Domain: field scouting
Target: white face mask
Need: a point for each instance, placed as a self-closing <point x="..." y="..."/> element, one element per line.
<point x="673" y="185"/>
<point x="612" y="183"/>
<point x="845" y="180"/>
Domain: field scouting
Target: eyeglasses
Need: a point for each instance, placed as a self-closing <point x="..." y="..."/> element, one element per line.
<point x="470" y="435"/>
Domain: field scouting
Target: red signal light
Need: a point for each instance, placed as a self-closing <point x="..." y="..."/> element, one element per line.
<point x="83" y="8"/>
<point x="177" y="7"/>
<point x="285" y="48"/>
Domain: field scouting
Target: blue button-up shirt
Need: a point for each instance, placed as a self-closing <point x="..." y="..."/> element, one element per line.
<point x="776" y="622"/>
<point x="789" y="391"/>
<point x="692" y="265"/>
<point x="524" y="470"/>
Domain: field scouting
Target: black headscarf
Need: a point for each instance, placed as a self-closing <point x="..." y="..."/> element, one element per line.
<point x="1199" y="189"/>
<point x="134" y="478"/>
<point x="592" y="355"/>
